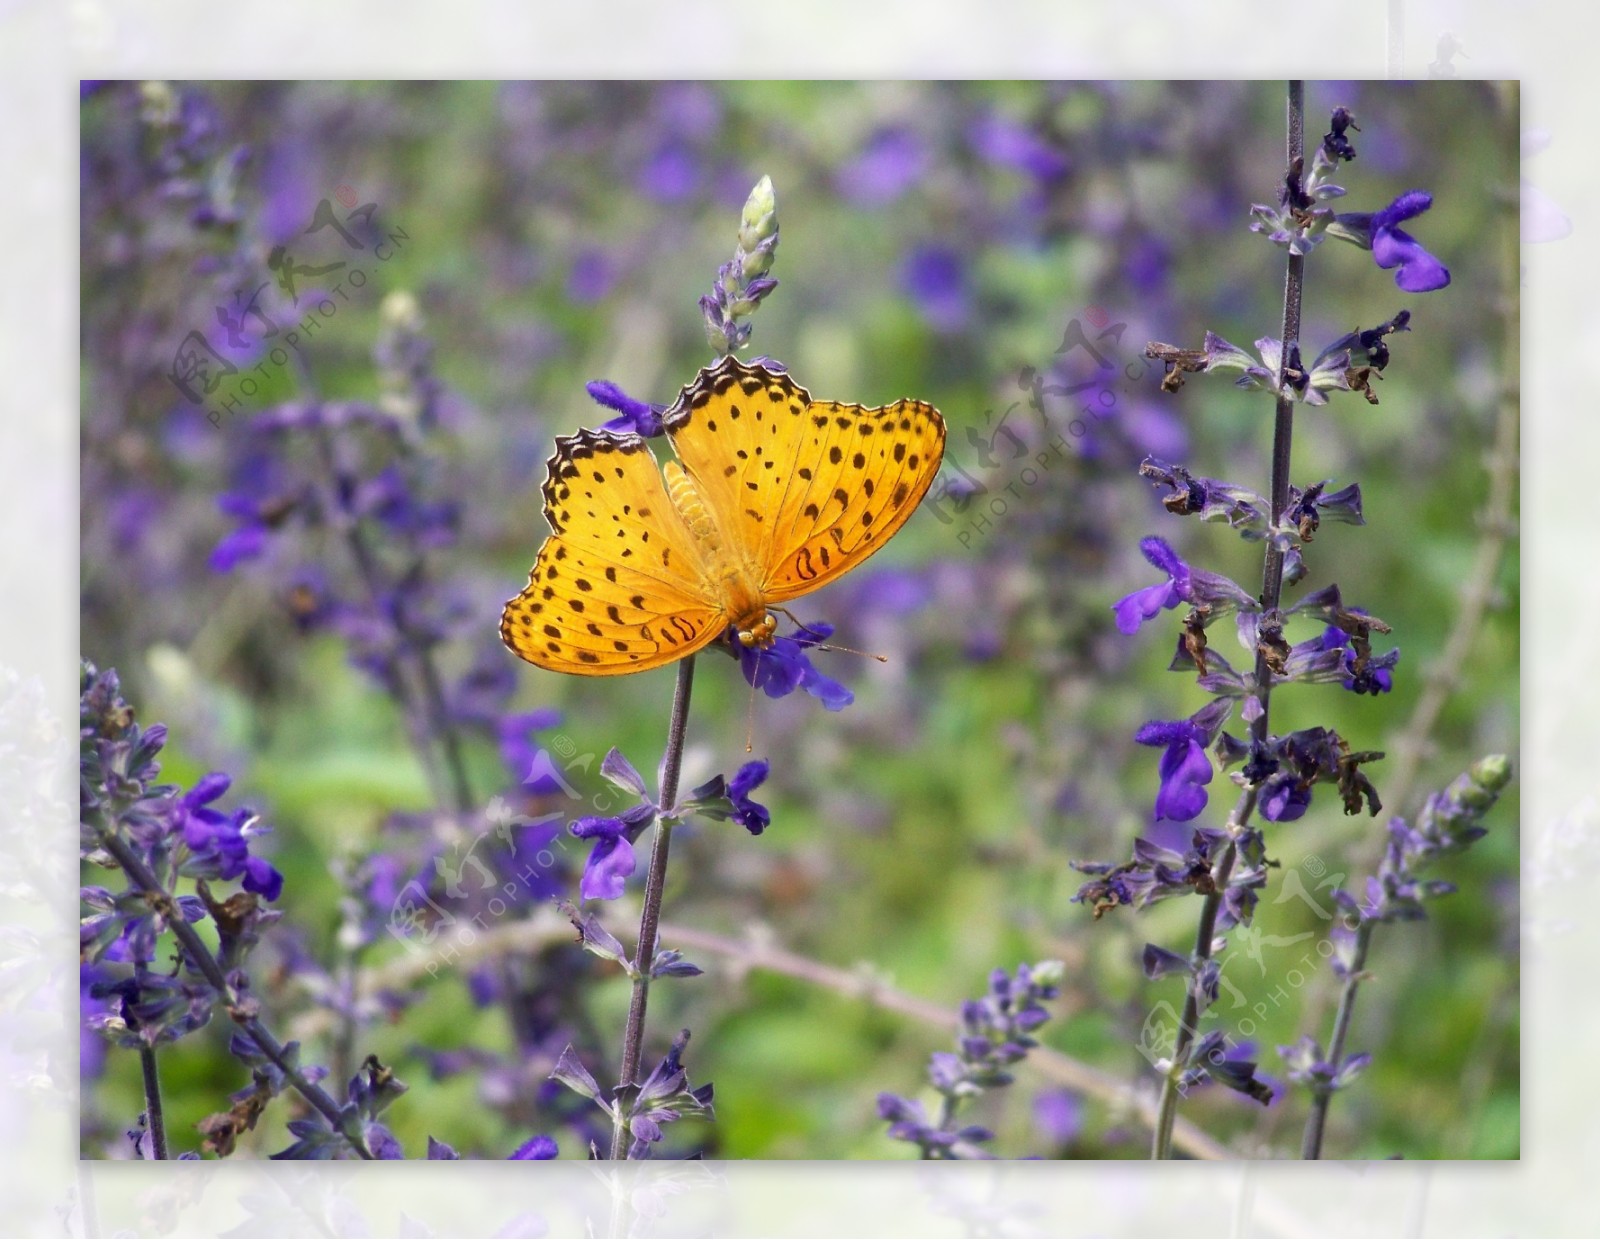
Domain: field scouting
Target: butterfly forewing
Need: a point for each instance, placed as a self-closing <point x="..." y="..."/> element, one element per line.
<point x="735" y="429"/>
<point x="869" y="469"/>
<point x="810" y="488"/>
<point x="618" y="586"/>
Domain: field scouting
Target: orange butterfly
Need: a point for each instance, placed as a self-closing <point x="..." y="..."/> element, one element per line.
<point x="772" y="495"/>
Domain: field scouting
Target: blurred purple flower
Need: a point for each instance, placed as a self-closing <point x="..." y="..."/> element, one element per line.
<point x="1058" y="1116"/>
<point x="1009" y="144"/>
<point x="934" y="277"/>
<point x="538" y="1149"/>
<point x="670" y="173"/>
<point x="892" y="161"/>
<point x="530" y="763"/>
<point x="592" y="277"/>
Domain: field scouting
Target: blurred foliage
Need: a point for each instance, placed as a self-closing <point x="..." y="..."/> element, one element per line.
<point x="561" y="232"/>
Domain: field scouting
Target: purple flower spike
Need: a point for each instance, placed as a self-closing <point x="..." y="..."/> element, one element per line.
<point x="1392" y="246"/>
<point x="611" y="862"/>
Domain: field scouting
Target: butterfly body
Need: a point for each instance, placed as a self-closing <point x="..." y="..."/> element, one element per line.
<point x="772" y="495"/>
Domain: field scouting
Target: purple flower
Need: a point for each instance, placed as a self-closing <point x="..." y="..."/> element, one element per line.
<point x="1146" y="604"/>
<point x="247" y="542"/>
<point x="1183" y="585"/>
<point x="934" y="276"/>
<point x="219" y="843"/>
<point x="1392" y="246"/>
<point x="611" y="861"/>
<point x="530" y="763"/>
<point x="1284" y="797"/>
<point x="781" y="668"/>
<point x="634" y="415"/>
<point x="891" y="162"/>
<point x="1184" y="769"/>
<point x="1375" y="676"/>
<point x="1009" y="144"/>
<point x="751" y="815"/>
<point x="538" y="1149"/>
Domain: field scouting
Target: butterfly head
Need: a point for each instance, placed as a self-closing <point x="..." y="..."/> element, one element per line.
<point x="761" y="634"/>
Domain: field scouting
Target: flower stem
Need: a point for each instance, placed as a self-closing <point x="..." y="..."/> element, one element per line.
<point x="201" y="958"/>
<point x="650" y="918"/>
<point x="1271" y="595"/>
<point x="154" y="1116"/>
<point x="1311" y="1143"/>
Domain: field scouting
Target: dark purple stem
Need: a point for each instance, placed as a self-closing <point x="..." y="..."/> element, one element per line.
<point x="650" y="919"/>
<point x="1271" y="594"/>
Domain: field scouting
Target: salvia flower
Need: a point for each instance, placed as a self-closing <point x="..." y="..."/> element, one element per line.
<point x="1210" y="499"/>
<point x="1184" y="584"/>
<point x="1155" y="872"/>
<point x="636" y="416"/>
<point x="1393" y="247"/>
<point x="1185" y="769"/>
<point x="219" y="844"/>
<point x="611" y="861"/>
<point x="781" y="668"/>
<point x="725" y="799"/>
<point x="665" y="1096"/>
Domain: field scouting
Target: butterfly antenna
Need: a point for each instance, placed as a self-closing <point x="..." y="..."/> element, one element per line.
<point x="829" y="646"/>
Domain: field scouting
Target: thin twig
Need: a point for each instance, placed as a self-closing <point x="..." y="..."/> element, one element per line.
<point x="650" y="917"/>
<point x="546" y="928"/>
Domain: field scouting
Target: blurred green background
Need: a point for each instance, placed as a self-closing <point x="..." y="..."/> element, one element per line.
<point x="936" y="239"/>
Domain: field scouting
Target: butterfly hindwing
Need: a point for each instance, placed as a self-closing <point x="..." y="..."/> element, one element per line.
<point x="618" y="586"/>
